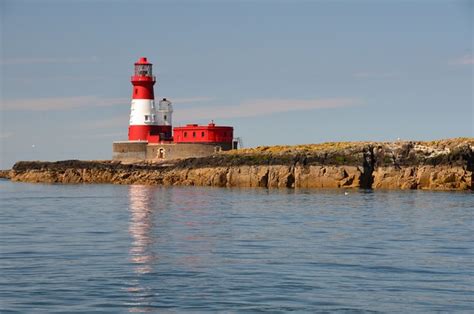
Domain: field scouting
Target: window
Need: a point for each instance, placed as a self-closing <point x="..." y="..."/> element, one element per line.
<point x="147" y="117"/>
<point x="143" y="69"/>
<point x="165" y="117"/>
<point x="194" y="134"/>
<point x="202" y="134"/>
<point x="185" y="134"/>
<point x="136" y="91"/>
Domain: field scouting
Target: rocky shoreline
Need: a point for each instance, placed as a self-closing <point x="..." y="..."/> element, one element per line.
<point x="437" y="165"/>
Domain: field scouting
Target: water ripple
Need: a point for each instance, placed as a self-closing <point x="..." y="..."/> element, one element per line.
<point x="105" y="248"/>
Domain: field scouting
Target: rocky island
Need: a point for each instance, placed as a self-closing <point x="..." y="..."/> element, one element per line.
<point x="435" y="165"/>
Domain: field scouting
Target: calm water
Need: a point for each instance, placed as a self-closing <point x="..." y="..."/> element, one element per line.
<point x="106" y="248"/>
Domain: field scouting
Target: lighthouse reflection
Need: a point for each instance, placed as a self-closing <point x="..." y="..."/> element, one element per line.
<point x="140" y="228"/>
<point x="170" y="239"/>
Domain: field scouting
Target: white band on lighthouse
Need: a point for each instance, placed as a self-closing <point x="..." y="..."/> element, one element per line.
<point x="143" y="112"/>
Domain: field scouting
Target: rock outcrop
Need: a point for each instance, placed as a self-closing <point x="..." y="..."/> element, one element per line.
<point x="437" y="165"/>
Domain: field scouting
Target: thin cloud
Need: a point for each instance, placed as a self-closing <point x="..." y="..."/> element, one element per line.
<point x="5" y="135"/>
<point x="375" y="75"/>
<point x="464" y="60"/>
<point x="55" y="78"/>
<point x="50" y="103"/>
<point x="107" y="123"/>
<point x="251" y="108"/>
<point x="97" y="135"/>
<point x="53" y="103"/>
<point x="260" y="107"/>
<point x="20" y="61"/>
<point x="122" y="120"/>
<point x="116" y="134"/>
<point x="191" y="99"/>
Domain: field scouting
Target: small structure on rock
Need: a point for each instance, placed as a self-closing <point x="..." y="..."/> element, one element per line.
<point x="150" y="132"/>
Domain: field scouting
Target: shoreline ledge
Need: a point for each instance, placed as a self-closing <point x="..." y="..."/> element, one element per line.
<point x="435" y="165"/>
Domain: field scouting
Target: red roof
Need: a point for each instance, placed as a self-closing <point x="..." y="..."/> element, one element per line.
<point x="142" y="60"/>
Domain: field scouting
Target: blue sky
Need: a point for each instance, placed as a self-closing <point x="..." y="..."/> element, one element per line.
<point x="280" y="72"/>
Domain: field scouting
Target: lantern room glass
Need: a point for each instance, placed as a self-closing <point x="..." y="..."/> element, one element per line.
<point x="143" y="70"/>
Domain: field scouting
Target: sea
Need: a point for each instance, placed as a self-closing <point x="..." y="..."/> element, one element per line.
<point x="135" y="248"/>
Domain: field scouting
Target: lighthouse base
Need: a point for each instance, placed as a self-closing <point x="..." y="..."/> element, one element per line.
<point x="149" y="133"/>
<point x="133" y="151"/>
<point x="129" y="150"/>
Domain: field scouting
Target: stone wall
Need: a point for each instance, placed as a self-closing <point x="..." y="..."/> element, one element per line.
<point x="140" y="151"/>
<point x="183" y="150"/>
<point x="129" y="151"/>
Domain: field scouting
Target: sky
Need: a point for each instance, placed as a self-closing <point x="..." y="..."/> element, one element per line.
<point x="279" y="72"/>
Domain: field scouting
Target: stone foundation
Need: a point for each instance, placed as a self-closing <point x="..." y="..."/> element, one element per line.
<point x="129" y="151"/>
<point x="140" y="151"/>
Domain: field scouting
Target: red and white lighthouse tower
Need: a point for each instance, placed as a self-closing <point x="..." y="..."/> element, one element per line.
<point x="144" y="121"/>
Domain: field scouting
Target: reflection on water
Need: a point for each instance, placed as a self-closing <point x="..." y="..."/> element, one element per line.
<point x="141" y="251"/>
<point x="157" y="234"/>
<point x="141" y="223"/>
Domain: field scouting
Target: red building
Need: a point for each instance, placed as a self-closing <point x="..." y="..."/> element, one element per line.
<point x="193" y="133"/>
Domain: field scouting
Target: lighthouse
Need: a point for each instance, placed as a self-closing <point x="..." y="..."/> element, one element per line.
<point x="143" y="119"/>
<point x="151" y="135"/>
